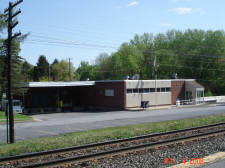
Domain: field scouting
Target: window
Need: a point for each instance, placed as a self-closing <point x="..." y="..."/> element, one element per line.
<point x="146" y="90"/>
<point x="152" y="89"/>
<point x="129" y="91"/>
<point x="135" y="90"/>
<point x="141" y="90"/>
<point x="109" y="92"/>
<point x="163" y="89"/>
<point x="167" y="89"/>
<point x="158" y="89"/>
<point x="189" y="95"/>
<point x="199" y="94"/>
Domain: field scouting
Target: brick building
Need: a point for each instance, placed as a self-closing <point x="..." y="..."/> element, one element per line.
<point x="121" y="94"/>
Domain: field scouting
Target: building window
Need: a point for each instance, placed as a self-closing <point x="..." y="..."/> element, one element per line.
<point x="109" y="92"/>
<point x="135" y="90"/>
<point x="163" y="89"/>
<point x="152" y="89"/>
<point x="167" y="89"/>
<point x="199" y="94"/>
<point x="129" y="91"/>
<point x="141" y="90"/>
<point x="146" y="90"/>
<point x="189" y="95"/>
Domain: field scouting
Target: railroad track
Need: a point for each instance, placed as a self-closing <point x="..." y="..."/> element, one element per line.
<point x="85" y="153"/>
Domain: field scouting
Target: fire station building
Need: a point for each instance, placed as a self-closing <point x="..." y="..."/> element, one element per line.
<point x="115" y="94"/>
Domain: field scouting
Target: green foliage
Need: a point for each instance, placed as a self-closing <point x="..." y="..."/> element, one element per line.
<point x="208" y="93"/>
<point x="42" y="67"/>
<point x="127" y="61"/>
<point x="103" y="66"/>
<point x="17" y="62"/>
<point x="192" y="54"/>
<point x="60" y="71"/>
<point x="85" y="71"/>
<point x="26" y="71"/>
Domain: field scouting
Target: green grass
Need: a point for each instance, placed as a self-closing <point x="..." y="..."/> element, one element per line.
<point x="100" y="135"/>
<point x="17" y="117"/>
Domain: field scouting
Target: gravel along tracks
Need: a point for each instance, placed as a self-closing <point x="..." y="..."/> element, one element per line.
<point x="102" y="147"/>
<point x="156" y="158"/>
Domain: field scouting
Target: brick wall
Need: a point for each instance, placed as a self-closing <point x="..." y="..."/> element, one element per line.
<point x="99" y="99"/>
<point x="177" y="90"/>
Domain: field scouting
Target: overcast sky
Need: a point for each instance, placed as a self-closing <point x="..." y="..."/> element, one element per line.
<point x="82" y="29"/>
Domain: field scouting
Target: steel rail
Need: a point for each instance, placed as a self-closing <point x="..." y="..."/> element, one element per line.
<point x="62" y="150"/>
<point x="117" y="151"/>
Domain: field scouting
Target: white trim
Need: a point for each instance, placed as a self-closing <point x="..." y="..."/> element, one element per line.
<point x="59" y="84"/>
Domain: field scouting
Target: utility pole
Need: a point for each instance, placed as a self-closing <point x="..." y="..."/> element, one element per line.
<point x="155" y="72"/>
<point x="69" y="70"/>
<point x="150" y="63"/>
<point x="11" y="37"/>
<point x="49" y="72"/>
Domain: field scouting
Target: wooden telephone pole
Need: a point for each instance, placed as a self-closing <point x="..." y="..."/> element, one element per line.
<point x="11" y="25"/>
<point x="70" y="78"/>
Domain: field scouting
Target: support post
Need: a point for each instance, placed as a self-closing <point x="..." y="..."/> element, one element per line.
<point x="11" y="25"/>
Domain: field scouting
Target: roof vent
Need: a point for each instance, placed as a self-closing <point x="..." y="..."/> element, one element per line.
<point x="174" y="76"/>
<point x="135" y="77"/>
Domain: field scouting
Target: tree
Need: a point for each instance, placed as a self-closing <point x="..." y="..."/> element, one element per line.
<point x="191" y="54"/>
<point x="61" y="71"/>
<point x="130" y="58"/>
<point x="26" y="71"/>
<point x="102" y="67"/>
<point x="86" y="71"/>
<point x="52" y="75"/>
<point x="42" y="68"/>
<point x="16" y="60"/>
<point x="3" y="25"/>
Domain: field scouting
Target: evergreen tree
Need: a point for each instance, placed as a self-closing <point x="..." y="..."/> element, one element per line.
<point x="42" y="67"/>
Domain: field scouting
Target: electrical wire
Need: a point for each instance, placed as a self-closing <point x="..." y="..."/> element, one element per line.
<point x="190" y="67"/>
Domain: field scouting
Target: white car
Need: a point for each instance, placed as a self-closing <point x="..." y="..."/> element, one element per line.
<point x="16" y="106"/>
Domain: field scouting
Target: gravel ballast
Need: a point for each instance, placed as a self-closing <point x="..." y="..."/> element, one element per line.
<point x="156" y="158"/>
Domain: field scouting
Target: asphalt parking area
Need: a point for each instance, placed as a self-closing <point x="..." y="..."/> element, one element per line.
<point x="61" y="123"/>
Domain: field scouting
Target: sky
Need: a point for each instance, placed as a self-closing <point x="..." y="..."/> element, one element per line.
<point x="82" y="29"/>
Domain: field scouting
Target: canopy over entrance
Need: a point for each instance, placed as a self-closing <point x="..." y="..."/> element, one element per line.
<point x="56" y="96"/>
<point x="58" y="84"/>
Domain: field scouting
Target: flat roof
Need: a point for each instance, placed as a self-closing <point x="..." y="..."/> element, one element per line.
<point x="58" y="84"/>
<point x="149" y="80"/>
<point x="87" y="83"/>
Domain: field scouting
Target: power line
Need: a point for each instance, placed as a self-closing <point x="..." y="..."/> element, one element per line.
<point x="67" y="46"/>
<point x="84" y="37"/>
<point x="188" y="59"/>
<point x="70" y="29"/>
<point x="72" y="43"/>
<point x="189" y="54"/>
<point x="72" y="32"/>
<point x="190" y="67"/>
<point x="110" y="46"/>
<point x="53" y="38"/>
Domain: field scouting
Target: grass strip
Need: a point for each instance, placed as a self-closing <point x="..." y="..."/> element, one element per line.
<point x="100" y="135"/>
<point x="17" y="117"/>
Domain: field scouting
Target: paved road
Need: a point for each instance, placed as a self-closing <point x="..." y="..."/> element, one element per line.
<point x="55" y="124"/>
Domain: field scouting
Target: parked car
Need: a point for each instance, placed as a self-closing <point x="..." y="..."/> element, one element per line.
<point x="17" y="108"/>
